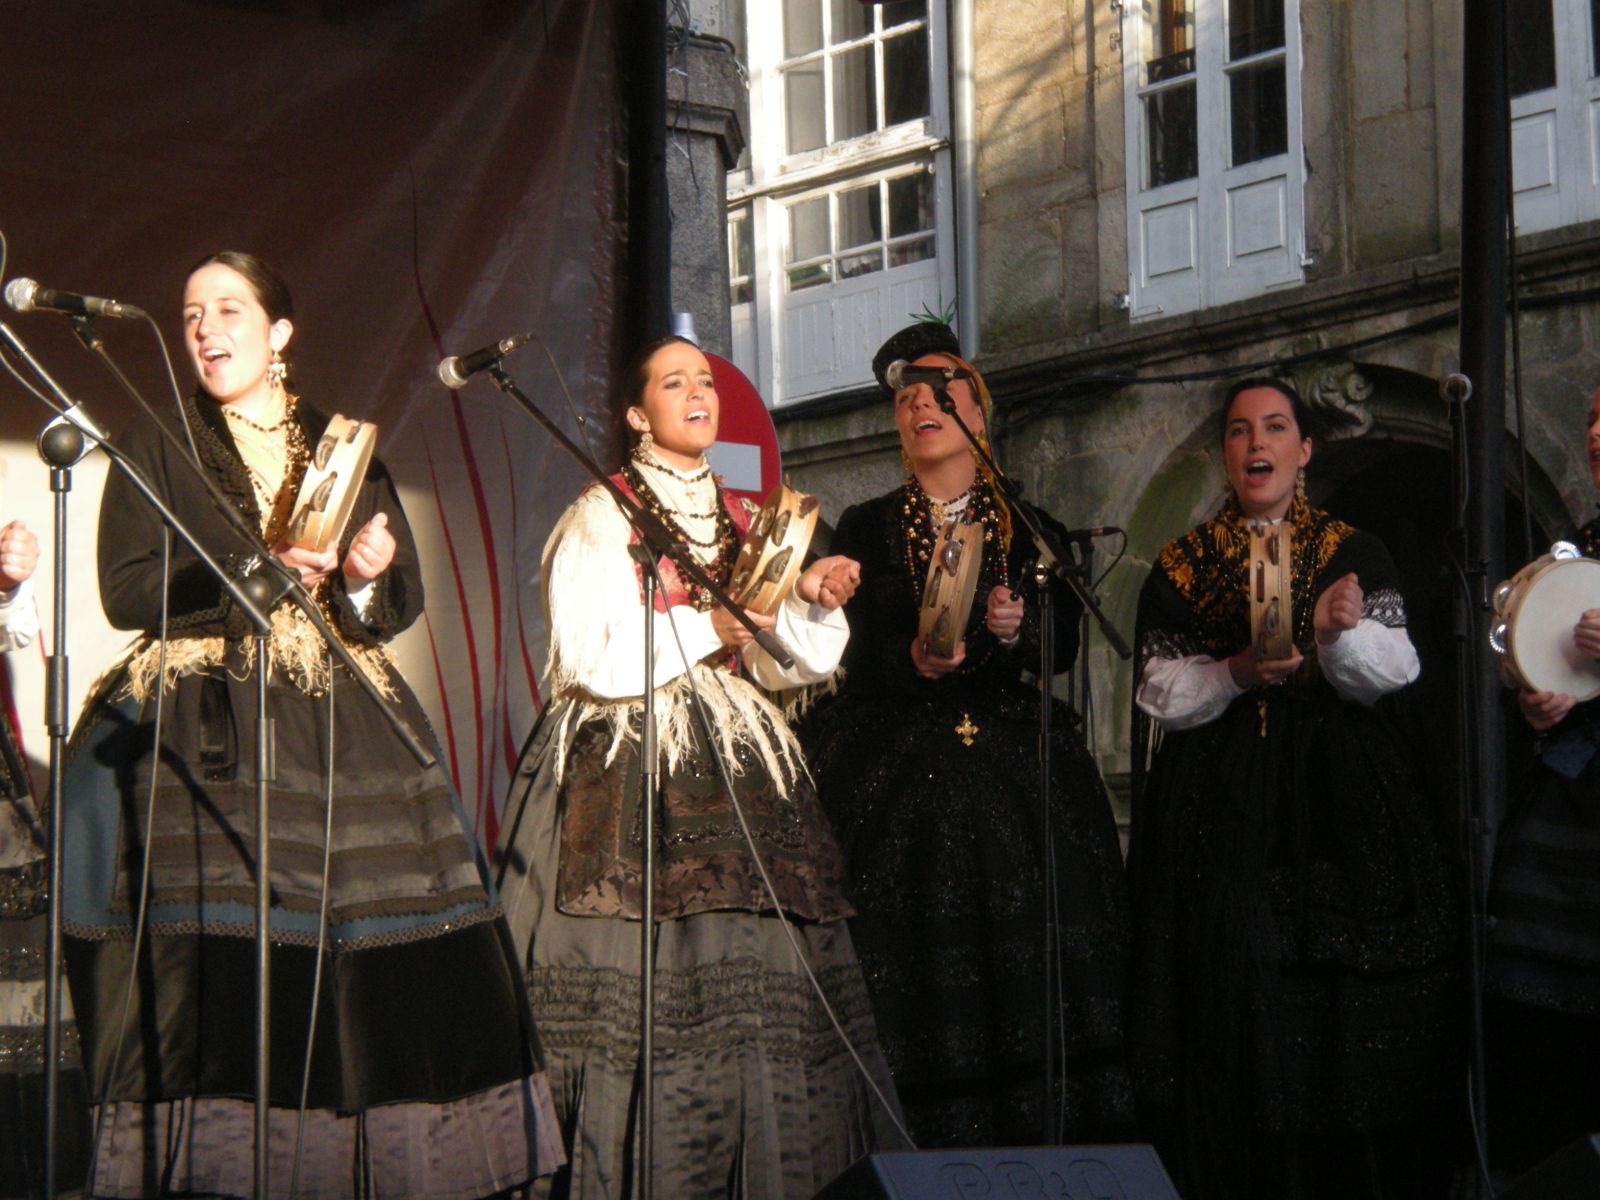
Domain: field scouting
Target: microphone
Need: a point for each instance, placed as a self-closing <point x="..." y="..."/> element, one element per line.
<point x="25" y="295"/>
<point x="1455" y="389"/>
<point x="457" y="369"/>
<point x="902" y="374"/>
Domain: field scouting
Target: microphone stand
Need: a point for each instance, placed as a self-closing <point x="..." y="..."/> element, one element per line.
<point x="1471" y="802"/>
<point x="656" y="541"/>
<point x="60" y="445"/>
<point x="648" y="771"/>
<point x="60" y="482"/>
<point x="1053" y="560"/>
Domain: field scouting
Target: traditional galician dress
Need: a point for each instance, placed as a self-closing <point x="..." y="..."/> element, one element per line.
<point x="1292" y="1011"/>
<point x="424" y="1078"/>
<point x="756" y="1095"/>
<point x="1544" y="941"/>
<point x="933" y="785"/>
<point x="24" y="901"/>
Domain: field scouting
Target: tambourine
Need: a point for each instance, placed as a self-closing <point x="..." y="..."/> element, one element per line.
<point x="774" y="550"/>
<point x="1271" y="597"/>
<point x="332" y="480"/>
<point x="948" y="590"/>
<point x="1538" y="608"/>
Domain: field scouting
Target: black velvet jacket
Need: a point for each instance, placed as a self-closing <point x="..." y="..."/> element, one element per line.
<point x="883" y="613"/>
<point x="130" y="537"/>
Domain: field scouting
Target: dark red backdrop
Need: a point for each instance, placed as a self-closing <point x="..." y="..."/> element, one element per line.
<point x="428" y="177"/>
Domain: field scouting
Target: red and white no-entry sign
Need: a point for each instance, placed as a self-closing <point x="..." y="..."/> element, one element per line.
<point x="746" y="450"/>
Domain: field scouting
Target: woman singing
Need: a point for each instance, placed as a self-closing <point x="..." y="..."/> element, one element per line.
<point x="756" y="1095"/>
<point x="423" y="1078"/>
<point x="1543" y="1007"/>
<point x="24" y="903"/>
<point x="1291" y="1013"/>
<point x="928" y="767"/>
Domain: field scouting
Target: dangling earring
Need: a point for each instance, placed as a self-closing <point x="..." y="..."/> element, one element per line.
<point x="1300" y="485"/>
<point x="905" y="463"/>
<point x="641" y="448"/>
<point x="277" y="369"/>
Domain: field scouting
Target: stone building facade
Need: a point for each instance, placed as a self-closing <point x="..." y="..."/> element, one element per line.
<point x="1105" y="373"/>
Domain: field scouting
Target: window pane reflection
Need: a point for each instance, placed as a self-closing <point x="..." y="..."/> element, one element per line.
<point x="1171" y="28"/>
<point x="811" y="276"/>
<point x="854" y="93"/>
<point x="1530" y="46"/>
<point x="850" y="19"/>
<point x="859" y="221"/>
<point x="1594" y="37"/>
<point x="808" y="229"/>
<point x="905" y="77"/>
<point x="1254" y="26"/>
<point x="1260" y="112"/>
<point x="902" y="11"/>
<point x="802" y="27"/>
<point x="910" y="204"/>
<point x="741" y="258"/>
<point x="1170" y="131"/>
<point x="802" y="104"/>
<point x="912" y="251"/>
<point x="852" y="265"/>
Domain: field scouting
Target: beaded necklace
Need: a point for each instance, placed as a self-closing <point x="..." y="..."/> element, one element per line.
<point x="922" y="517"/>
<point x="233" y="414"/>
<point x="642" y="455"/>
<point x="724" y="546"/>
<point x="284" y="437"/>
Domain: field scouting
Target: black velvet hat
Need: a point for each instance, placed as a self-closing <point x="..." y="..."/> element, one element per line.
<point x="911" y="343"/>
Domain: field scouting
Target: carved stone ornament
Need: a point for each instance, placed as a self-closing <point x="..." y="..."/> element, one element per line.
<point x="1337" y="396"/>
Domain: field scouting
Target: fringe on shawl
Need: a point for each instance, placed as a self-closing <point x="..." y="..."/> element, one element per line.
<point x="739" y="713"/>
<point x="295" y="648"/>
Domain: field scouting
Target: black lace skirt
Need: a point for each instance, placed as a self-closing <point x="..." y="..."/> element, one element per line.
<point x="936" y="802"/>
<point x="1295" y="988"/>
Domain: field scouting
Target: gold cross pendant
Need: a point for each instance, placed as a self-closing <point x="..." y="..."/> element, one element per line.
<point x="966" y="729"/>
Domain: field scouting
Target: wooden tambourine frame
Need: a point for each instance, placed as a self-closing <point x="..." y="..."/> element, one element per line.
<point x="1538" y="608"/>
<point x="948" y="590"/>
<point x="332" y="481"/>
<point x="774" y="550"/>
<point x="1271" y="596"/>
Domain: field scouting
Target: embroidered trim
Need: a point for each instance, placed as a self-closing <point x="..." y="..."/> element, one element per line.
<point x="392" y="937"/>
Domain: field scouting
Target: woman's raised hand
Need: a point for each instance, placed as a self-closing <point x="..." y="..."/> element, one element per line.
<point x="731" y="633"/>
<point x="1544" y="709"/>
<point x="829" y="581"/>
<point x="1249" y="673"/>
<point x="19" y="554"/>
<point x="1586" y="634"/>
<point x="313" y="565"/>
<point x="371" y="552"/>
<point x="1338" y="609"/>
<point x="932" y="666"/>
<point x="1005" y="613"/>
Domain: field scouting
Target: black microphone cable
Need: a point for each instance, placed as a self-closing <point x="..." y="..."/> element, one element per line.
<point x="708" y="728"/>
<point x="322" y="939"/>
<point x="142" y="910"/>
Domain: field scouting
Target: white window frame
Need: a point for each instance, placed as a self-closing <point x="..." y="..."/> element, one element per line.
<point x="1229" y="232"/>
<point x="764" y="340"/>
<point x="1555" y="133"/>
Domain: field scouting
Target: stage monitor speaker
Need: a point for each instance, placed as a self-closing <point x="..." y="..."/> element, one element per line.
<point x="1022" y="1173"/>
<point x="1571" y="1173"/>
